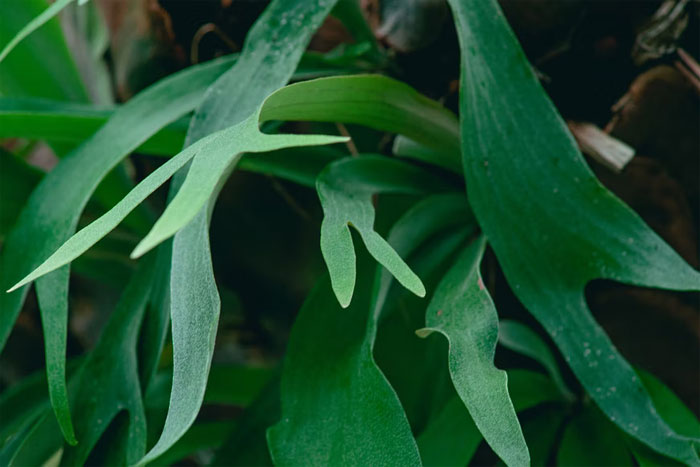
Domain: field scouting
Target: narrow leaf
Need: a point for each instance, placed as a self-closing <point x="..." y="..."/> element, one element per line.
<point x="463" y="312"/>
<point x="551" y="223"/>
<point x="52" y="10"/>
<point x="229" y="101"/>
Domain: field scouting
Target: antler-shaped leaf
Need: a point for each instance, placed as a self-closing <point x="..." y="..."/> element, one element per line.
<point x="552" y="225"/>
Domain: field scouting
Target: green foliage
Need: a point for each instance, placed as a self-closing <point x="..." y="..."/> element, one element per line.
<point x="357" y="386"/>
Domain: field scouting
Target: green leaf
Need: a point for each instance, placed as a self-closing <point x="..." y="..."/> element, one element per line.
<point x="337" y="407"/>
<point x="551" y="223"/>
<point x="270" y="54"/>
<point x="520" y="338"/>
<point x="17" y="180"/>
<point x="378" y="102"/>
<point x="46" y="15"/>
<point x="329" y="371"/>
<point x="591" y="440"/>
<point x="345" y="189"/>
<point x="52" y="212"/>
<point x="109" y="381"/>
<point x="673" y="411"/>
<point x="40" y="65"/>
<point x="247" y="444"/>
<point x="63" y="122"/>
<point x="452" y="437"/>
<point x="463" y="312"/>
<point x="206" y="435"/>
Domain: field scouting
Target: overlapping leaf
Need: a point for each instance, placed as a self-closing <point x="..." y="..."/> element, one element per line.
<point x="345" y="189"/>
<point x="552" y="225"/>
<point x="463" y="312"/>
<point x="50" y="215"/>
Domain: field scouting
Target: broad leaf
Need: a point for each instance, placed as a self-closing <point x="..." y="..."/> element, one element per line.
<point x="463" y="312"/>
<point x="551" y="223"/>
<point x="337" y="407"/>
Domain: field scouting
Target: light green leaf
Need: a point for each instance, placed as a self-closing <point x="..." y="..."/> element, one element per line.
<point x="378" y="102"/>
<point x="520" y="338"/>
<point x="463" y="312"/>
<point x="52" y="212"/>
<point x="452" y="437"/>
<point x="551" y="223"/>
<point x="270" y="54"/>
<point x="345" y="189"/>
<point x="337" y="407"/>
<point x="109" y="382"/>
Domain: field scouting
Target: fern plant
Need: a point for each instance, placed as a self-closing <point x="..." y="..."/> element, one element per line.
<point x="357" y="386"/>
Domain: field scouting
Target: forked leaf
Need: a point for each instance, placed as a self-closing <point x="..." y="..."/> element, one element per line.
<point x="270" y="54"/>
<point x="520" y="338"/>
<point x="463" y="312"/>
<point x="345" y="189"/>
<point x="217" y="152"/>
<point x="337" y="406"/>
<point x="551" y="223"/>
<point x="51" y="214"/>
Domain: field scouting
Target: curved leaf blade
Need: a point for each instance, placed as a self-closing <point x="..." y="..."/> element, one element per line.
<point x="345" y="189"/>
<point x="463" y="312"/>
<point x="519" y="158"/>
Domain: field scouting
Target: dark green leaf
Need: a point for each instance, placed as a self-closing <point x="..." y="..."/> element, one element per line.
<point x="551" y="223"/>
<point x="519" y="338"/>
<point x="591" y="440"/>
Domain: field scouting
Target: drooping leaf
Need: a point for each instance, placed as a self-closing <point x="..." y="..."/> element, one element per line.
<point x="345" y="189"/>
<point x="206" y="435"/>
<point x="108" y="383"/>
<point x="463" y="312"/>
<point x="552" y="225"/>
<point x="52" y="212"/>
<point x="520" y="338"/>
<point x="337" y="407"/>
